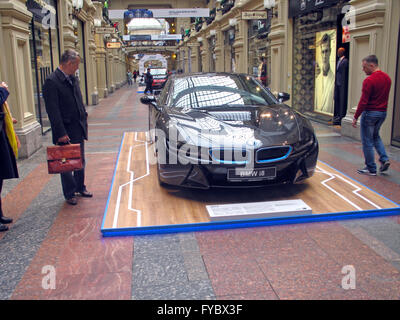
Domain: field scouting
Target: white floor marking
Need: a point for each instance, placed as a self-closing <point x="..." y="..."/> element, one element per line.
<point x="130" y="183"/>
<point x="333" y="176"/>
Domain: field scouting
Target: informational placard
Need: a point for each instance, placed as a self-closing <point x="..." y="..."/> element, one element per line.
<point x="264" y="209"/>
<point x="254" y="15"/>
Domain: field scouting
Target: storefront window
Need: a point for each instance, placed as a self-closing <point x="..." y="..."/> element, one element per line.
<point x="44" y="47"/>
<point x="396" y="113"/>
<point x="229" y="54"/>
<point x="258" y="48"/>
<point x="200" y="57"/>
<point x="315" y="44"/>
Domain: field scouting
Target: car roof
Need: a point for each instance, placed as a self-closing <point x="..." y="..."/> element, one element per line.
<point x="209" y="74"/>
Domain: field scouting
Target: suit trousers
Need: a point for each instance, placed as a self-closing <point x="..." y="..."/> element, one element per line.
<point x="74" y="181"/>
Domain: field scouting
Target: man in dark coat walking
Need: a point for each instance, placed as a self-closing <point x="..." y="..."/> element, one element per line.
<point x="68" y="118"/>
<point x="341" y="84"/>
<point x="148" y="79"/>
<point x="8" y="164"/>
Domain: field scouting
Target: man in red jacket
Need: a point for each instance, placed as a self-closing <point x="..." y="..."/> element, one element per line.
<point x="372" y="106"/>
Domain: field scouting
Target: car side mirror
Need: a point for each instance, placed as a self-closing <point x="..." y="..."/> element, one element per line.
<point x="283" y="96"/>
<point x="150" y="100"/>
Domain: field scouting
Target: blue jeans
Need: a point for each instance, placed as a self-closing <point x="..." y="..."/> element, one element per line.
<point x="371" y="122"/>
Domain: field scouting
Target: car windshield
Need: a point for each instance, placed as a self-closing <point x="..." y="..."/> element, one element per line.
<point x="157" y="72"/>
<point x="214" y="91"/>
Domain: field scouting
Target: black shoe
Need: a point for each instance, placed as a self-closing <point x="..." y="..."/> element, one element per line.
<point x="85" y="194"/>
<point x="366" y="171"/>
<point x="385" y="166"/>
<point x="3" y="228"/>
<point x="72" y="201"/>
<point x="5" y="220"/>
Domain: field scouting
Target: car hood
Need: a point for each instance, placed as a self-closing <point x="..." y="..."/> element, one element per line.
<point x="253" y="126"/>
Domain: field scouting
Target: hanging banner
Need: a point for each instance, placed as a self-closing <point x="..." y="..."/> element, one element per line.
<point x="136" y="13"/>
<point x="136" y="37"/>
<point x="158" y="37"/>
<point x="159" y="13"/>
<point x="181" y="13"/>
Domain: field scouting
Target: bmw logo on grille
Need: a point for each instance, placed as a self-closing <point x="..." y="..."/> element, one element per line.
<point x="254" y="143"/>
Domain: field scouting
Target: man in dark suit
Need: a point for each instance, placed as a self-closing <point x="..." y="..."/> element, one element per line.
<point x="341" y="84"/>
<point x="148" y="79"/>
<point x="68" y="119"/>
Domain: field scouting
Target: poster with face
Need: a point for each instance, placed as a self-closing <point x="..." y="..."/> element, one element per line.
<point x="325" y="70"/>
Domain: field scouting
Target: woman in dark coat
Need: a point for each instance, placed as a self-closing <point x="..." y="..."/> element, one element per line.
<point x="8" y="164"/>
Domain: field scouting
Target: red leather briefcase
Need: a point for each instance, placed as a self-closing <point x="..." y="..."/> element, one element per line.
<point x="64" y="158"/>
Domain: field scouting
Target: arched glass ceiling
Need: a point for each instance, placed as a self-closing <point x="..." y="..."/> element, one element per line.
<point x="147" y="24"/>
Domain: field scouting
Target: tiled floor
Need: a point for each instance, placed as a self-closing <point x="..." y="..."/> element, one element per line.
<point x="302" y="261"/>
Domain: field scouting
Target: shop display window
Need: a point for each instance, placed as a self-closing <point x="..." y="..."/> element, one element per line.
<point x="45" y="52"/>
<point x="314" y="62"/>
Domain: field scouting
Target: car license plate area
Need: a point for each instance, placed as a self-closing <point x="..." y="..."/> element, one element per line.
<point x="256" y="174"/>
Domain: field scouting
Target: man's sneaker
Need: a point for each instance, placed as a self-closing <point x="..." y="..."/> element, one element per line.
<point x="366" y="172"/>
<point x="384" y="166"/>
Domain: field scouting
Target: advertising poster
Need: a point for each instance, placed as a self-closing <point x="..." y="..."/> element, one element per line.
<point x="325" y="70"/>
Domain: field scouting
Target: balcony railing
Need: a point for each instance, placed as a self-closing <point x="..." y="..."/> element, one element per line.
<point x="227" y="5"/>
<point x="211" y="18"/>
<point x="198" y="24"/>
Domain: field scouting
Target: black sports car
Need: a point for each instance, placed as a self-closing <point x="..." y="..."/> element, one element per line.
<point x="227" y="130"/>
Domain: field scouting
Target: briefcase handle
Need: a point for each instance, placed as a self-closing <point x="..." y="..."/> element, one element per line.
<point x="63" y="143"/>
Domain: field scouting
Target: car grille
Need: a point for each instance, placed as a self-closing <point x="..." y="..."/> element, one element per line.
<point x="229" y="156"/>
<point x="242" y="156"/>
<point x="272" y="154"/>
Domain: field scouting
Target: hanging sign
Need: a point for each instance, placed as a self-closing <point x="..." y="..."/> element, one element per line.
<point x="254" y="15"/>
<point x="105" y="30"/>
<point x="113" y="45"/>
<point x="346" y="34"/>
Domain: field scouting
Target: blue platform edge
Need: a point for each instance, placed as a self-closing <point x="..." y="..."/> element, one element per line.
<point x="246" y="223"/>
<point x="234" y="224"/>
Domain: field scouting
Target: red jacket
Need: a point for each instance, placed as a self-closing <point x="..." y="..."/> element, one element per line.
<point x="375" y="93"/>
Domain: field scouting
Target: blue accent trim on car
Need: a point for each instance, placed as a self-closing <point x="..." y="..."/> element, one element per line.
<point x="275" y="159"/>
<point x="224" y="161"/>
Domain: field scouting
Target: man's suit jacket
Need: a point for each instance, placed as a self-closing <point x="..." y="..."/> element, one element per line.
<point x="342" y="73"/>
<point x="65" y="108"/>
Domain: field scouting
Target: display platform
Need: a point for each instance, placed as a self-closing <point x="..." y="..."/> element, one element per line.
<point x="137" y="204"/>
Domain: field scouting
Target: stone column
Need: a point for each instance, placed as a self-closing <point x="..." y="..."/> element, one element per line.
<point x="91" y="55"/>
<point x="115" y="69"/>
<point x="277" y="38"/>
<point x="15" y="19"/>
<point x="205" y="55"/>
<point x="238" y="54"/>
<point x="376" y="26"/>
<point x="219" y="49"/>
<point x="110" y="73"/>
<point x="67" y="36"/>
